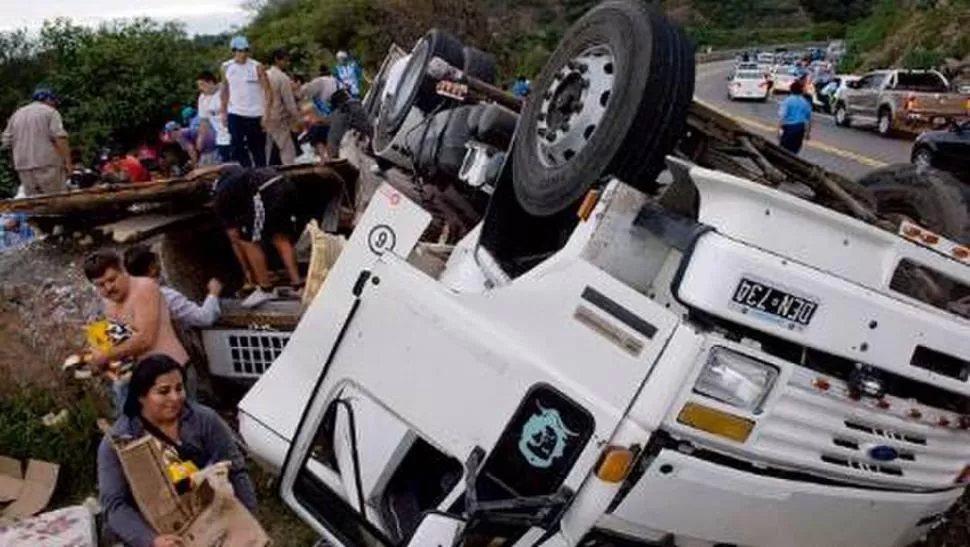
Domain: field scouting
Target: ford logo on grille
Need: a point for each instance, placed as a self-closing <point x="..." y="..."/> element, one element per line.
<point x="883" y="453"/>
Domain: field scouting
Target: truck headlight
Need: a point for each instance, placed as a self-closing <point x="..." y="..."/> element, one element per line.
<point x="736" y="379"/>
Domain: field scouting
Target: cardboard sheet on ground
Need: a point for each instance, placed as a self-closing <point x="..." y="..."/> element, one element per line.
<point x="27" y="493"/>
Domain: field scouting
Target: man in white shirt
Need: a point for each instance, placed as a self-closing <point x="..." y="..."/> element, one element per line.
<point x="245" y="100"/>
<point x="140" y="261"/>
<point x="210" y="112"/>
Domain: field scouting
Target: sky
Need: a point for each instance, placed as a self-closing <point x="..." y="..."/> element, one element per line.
<point x="199" y="16"/>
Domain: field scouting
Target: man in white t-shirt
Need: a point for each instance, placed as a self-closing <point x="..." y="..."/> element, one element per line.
<point x="210" y="112"/>
<point x="245" y="100"/>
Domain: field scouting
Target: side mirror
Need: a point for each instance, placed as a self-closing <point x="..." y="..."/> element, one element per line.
<point x="437" y="529"/>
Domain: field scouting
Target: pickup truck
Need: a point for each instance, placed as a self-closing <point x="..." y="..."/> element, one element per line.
<point x="906" y="101"/>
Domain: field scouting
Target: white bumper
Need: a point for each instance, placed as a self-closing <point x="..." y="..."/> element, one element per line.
<point x="698" y="500"/>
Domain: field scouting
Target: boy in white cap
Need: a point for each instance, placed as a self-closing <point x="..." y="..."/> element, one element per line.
<point x="245" y="100"/>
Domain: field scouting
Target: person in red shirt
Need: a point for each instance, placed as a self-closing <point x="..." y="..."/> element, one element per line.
<point x="126" y="168"/>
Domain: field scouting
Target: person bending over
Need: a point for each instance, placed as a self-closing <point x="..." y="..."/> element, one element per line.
<point x="256" y="205"/>
<point x="184" y="432"/>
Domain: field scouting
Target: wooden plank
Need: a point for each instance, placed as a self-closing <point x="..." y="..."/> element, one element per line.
<point x="195" y="188"/>
<point x="143" y="227"/>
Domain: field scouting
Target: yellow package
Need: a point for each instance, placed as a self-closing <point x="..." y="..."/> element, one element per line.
<point x="97" y="334"/>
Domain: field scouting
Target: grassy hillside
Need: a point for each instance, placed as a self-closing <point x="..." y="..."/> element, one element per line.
<point x="911" y="34"/>
<point x="520" y="33"/>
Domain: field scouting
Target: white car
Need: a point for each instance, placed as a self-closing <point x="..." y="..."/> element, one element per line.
<point x="748" y="84"/>
<point x="784" y="77"/>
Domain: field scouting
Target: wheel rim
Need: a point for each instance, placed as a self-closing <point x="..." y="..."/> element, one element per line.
<point x="402" y="97"/>
<point x="884" y="124"/>
<point x="574" y="105"/>
<point x="924" y="158"/>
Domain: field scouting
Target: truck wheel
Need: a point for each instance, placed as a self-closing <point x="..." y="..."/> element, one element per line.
<point x="842" y="116"/>
<point x="927" y="196"/>
<point x="611" y="101"/>
<point x="415" y="87"/>
<point x="884" y="124"/>
<point x="480" y="65"/>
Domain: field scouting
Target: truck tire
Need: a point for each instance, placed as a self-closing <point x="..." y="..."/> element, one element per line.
<point x="927" y="196"/>
<point x="884" y="122"/>
<point x="611" y="101"/>
<point x="415" y="87"/>
<point x="480" y="65"/>
<point x="841" y="115"/>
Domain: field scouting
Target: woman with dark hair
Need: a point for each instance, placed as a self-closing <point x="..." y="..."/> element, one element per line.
<point x="185" y="432"/>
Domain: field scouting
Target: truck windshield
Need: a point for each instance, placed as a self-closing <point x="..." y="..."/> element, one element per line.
<point x="926" y="82"/>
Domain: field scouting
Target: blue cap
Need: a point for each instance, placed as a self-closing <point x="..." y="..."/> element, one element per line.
<point x="171" y="126"/>
<point x="44" y="94"/>
<point x="239" y="43"/>
<point x="187" y="114"/>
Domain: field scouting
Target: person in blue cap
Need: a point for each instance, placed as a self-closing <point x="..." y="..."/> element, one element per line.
<point x="348" y="73"/>
<point x="41" y="154"/>
<point x="245" y="100"/>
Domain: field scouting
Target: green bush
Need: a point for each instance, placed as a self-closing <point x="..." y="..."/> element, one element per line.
<point x="73" y="444"/>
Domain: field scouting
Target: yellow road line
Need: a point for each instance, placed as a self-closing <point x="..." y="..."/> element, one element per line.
<point x="818" y="145"/>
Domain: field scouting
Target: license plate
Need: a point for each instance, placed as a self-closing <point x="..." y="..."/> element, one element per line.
<point x="939" y="121"/>
<point x="772" y="303"/>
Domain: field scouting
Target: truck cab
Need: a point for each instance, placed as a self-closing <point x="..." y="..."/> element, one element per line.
<point x="661" y="377"/>
<point x="620" y="356"/>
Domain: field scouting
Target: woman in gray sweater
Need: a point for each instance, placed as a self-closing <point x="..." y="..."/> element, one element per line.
<point x="156" y="405"/>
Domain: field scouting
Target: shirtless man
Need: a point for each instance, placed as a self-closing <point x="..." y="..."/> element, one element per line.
<point x="137" y="304"/>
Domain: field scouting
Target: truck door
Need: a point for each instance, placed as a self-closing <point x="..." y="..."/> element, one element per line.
<point x="491" y="407"/>
<point x="859" y="98"/>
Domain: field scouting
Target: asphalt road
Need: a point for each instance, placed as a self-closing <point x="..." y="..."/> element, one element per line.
<point x="849" y="151"/>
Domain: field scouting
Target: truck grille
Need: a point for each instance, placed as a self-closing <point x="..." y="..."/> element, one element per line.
<point x="242" y="354"/>
<point x="832" y="434"/>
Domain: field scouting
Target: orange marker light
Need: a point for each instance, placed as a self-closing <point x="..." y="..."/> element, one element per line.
<point x="912" y="231"/>
<point x="615" y="464"/>
<point x="915" y="413"/>
<point x="943" y="422"/>
<point x="931" y="239"/>
<point x="961" y="252"/>
<point x="589" y="203"/>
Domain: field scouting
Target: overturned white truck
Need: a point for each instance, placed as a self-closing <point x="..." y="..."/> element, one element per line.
<point x="604" y="362"/>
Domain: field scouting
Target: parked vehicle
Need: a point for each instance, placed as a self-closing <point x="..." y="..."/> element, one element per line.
<point x="835" y="50"/>
<point x="947" y="149"/>
<point x="604" y="363"/>
<point x="907" y="101"/>
<point x="825" y="97"/>
<point x="748" y="84"/>
<point x="784" y="77"/>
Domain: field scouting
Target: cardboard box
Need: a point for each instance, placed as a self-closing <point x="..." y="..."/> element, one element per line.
<point x="208" y="516"/>
<point x="28" y="493"/>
